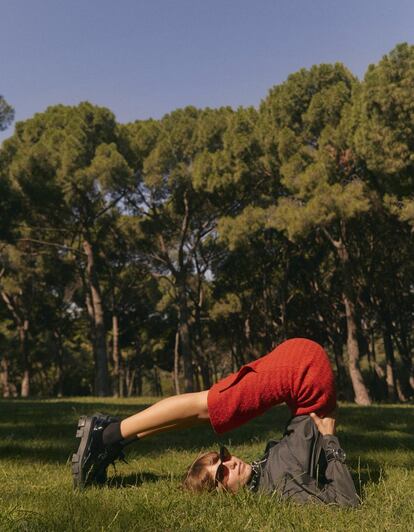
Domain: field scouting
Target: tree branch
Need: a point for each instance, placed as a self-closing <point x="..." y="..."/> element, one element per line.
<point x="184" y="229"/>
<point x="52" y="244"/>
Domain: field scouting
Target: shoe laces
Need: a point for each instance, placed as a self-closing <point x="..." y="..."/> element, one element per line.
<point x="110" y="454"/>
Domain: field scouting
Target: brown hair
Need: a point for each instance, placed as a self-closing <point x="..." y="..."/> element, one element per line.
<point x="198" y="477"/>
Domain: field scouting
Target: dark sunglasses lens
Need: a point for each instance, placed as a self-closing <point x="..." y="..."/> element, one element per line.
<point x="224" y="454"/>
<point x="220" y="473"/>
<point x="222" y="470"/>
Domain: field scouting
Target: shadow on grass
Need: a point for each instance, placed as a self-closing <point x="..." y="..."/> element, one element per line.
<point x="30" y="454"/>
<point x="44" y="431"/>
<point x="134" y="480"/>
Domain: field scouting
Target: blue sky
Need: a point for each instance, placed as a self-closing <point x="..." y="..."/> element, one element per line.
<point x="144" y="58"/>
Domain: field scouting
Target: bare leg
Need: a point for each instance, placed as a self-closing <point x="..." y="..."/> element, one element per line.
<point x="176" y="412"/>
<point x="183" y="425"/>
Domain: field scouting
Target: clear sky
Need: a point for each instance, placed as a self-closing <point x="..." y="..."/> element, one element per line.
<point x="144" y="58"/>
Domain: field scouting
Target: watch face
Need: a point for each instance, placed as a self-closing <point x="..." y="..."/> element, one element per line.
<point x="336" y="454"/>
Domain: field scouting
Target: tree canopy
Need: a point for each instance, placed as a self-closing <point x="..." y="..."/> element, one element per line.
<point x="192" y="244"/>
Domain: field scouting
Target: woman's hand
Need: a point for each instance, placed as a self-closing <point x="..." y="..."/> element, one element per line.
<point x="325" y="425"/>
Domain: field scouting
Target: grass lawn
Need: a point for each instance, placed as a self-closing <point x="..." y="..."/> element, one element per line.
<point x="37" y="440"/>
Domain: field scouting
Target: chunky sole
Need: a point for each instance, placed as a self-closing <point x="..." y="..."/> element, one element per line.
<point x="84" y="432"/>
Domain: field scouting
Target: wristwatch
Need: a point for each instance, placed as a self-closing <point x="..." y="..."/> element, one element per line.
<point x="335" y="454"/>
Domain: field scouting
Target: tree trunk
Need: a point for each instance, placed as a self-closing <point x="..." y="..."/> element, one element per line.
<point x="205" y="374"/>
<point x="390" y="366"/>
<point x="57" y="341"/>
<point x="4" y="376"/>
<point x="131" y="374"/>
<point x="239" y="351"/>
<point x="23" y="333"/>
<point x="185" y="341"/>
<point x="406" y="359"/>
<point x="177" y="363"/>
<point x="138" y="381"/>
<point x="196" y="378"/>
<point x="394" y="389"/>
<point x="157" y="387"/>
<point x="100" y="355"/>
<point x="378" y="383"/>
<point x="342" y="378"/>
<point x="121" y="376"/>
<point x="133" y="377"/>
<point x="283" y="319"/>
<point x="402" y="340"/>
<point x="22" y="325"/>
<point x="202" y="359"/>
<point x="116" y="356"/>
<point x="360" y="390"/>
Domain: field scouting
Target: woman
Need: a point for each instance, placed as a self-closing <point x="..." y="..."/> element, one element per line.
<point x="296" y="372"/>
<point x="306" y="465"/>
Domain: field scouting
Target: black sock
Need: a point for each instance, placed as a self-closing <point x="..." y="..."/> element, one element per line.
<point x="128" y="441"/>
<point x="112" y="433"/>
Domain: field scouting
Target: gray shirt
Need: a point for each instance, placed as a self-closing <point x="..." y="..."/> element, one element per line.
<point x="305" y="466"/>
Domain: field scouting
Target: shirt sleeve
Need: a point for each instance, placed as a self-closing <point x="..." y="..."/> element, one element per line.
<point x="337" y="488"/>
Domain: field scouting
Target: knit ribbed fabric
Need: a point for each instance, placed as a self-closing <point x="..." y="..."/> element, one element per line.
<point x="297" y="372"/>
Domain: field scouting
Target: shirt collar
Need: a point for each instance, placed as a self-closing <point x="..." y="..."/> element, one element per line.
<point x="257" y="466"/>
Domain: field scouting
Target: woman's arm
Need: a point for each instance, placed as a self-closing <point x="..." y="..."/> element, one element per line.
<point x="338" y="486"/>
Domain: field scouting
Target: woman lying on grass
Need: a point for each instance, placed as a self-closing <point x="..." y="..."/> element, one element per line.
<point x="307" y="464"/>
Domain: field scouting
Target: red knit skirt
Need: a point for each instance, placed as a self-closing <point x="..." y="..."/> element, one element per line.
<point x="297" y="373"/>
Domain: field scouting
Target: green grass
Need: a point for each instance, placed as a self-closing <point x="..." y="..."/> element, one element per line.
<point x="37" y="439"/>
